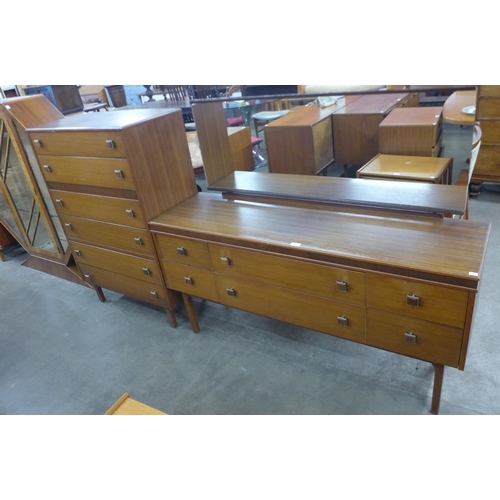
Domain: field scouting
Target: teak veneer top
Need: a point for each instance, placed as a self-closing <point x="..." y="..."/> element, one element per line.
<point x="111" y="120"/>
<point x="409" y="196"/>
<point x="413" y="116"/>
<point x="445" y="250"/>
<point x="371" y="104"/>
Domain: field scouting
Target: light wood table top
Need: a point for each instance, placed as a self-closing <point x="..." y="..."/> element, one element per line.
<point x="409" y="168"/>
<point x="420" y="197"/>
<point x="443" y="250"/>
<point x="128" y="406"/>
<point x="452" y="109"/>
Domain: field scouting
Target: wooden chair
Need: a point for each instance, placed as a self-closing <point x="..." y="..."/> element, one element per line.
<point x="465" y="175"/>
<point x="174" y="92"/>
<point x="205" y="91"/>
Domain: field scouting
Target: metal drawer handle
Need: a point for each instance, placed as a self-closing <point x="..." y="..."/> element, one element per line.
<point x="60" y="202"/>
<point x="341" y="286"/>
<point x="182" y="251"/>
<point x="47" y="168"/>
<point x="69" y="226"/>
<point x="88" y="276"/>
<point x="138" y="241"/>
<point x="110" y="144"/>
<point x="410" y="338"/>
<point x="38" y="143"/>
<point x="130" y="212"/>
<point x="155" y="294"/>
<point x="146" y="271"/>
<point x="231" y="292"/>
<point x="342" y="321"/>
<point x="78" y="252"/>
<point x="412" y="300"/>
<point x="226" y="261"/>
<point x="188" y="280"/>
<point x="119" y="174"/>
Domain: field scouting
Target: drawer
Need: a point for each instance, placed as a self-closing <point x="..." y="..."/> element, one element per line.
<point x="413" y="337"/>
<point x="191" y="280"/>
<point x="491" y="90"/>
<point x="184" y="251"/>
<point x="126" y="238"/>
<point x="417" y="300"/>
<point x="115" y="262"/>
<point x="316" y="313"/>
<point x="102" y="172"/>
<point x="314" y="279"/>
<point x="490" y="133"/>
<point x="107" y="144"/>
<point x="487" y="108"/>
<point x="148" y="292"/>
<point x="102" y="208"/>
<point x="488" y="161"/>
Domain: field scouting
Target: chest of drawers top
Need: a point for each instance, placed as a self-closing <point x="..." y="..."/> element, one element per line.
<point x="445" y="250"/>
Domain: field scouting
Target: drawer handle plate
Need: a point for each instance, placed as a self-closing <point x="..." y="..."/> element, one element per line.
<point x="47" y="168"/>
<point x="60" y="202"/>
<point x="226" y="261"/>
<point x="341" y="286"/>
<point x="146" y="271"/>
<point x="188" y="280"/>
<point x="410" y="338"/>
<point x="69" y="226"/>
<point x="138" y="241"/>
<point x="38" y="143"/>
<point x="182" y="251"/>
<point x="231" y="292"/>
<point x="119" y="174"/>
<point x="88" y="276"/>
<point x="412" y="300"/>
<point x="110" y="144"/>
<point x="78" y="252"/>
<point x="342" y="321"/>
<point x="130" y="213"/>
<point x="155" y="295"/>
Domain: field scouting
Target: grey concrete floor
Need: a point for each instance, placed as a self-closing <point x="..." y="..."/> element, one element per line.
<point x="62" y="352"/>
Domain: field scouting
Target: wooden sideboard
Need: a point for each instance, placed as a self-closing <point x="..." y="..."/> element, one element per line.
<point x="108" y="175"/>
<point x="393" y="282"/>
<point x="487" y="167"/>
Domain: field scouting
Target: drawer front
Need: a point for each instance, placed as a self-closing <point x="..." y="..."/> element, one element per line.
<point x="488" y="161"/>
<point x="190" y="280"/>
<point x="101" y="172"/>
<point x="493" y="90"/>
<point x="102" y="208"/>
<point x="314" y="279"/>
<point x="148" y="292"/>
<point x="327" y="316"/>
<point x="115" y="262"/>
<point x="417" y="300"/>
<point x="490" y="133"/>
<point x="184" y="251"/>
<point x="487" y="108"/>
<point x="126" y="238"/>
<point x="92" y="143"/>
<point x="413" y="337"/>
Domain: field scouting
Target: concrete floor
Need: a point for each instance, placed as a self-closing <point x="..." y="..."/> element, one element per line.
<point x="62" y="352"/>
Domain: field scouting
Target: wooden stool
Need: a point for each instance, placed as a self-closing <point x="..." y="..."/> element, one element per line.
<point x="408" y="168"/>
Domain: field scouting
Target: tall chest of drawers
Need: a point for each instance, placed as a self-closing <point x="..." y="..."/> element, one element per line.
<point x="395" y="283"/>
<point x="487" y="167"/>
<point x="108" y="174"/>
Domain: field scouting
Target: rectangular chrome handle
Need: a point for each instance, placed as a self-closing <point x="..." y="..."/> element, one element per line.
<point x="182" y="251"/>
<point x="231" y="292"/>
<point x="138" y="241"/>
<point x="47" y="168"/>
<point x="119" y="174"/>
<point x="412" y="300"/>
<point x="155" y="294"/>
<point x="146" y="271"/>
<point x="130" y="213"/>
<point x="342" y="321"/>
<point x="188" y="280"/>
<point x="341" y="286"/>
<point x="226" y="261"/>
<point x="38" y="143"/>
<point x="410" y="338"/>
<point x="78" y="252"/>
<point x="69" y="226"/>
<point x="60" y="202"/>
<point x="110" y="144"/>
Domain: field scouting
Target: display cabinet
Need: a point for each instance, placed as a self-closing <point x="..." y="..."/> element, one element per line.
<point x="25" y="205"/>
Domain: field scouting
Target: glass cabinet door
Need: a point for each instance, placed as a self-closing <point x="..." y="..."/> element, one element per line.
<point x="25" y="205"/>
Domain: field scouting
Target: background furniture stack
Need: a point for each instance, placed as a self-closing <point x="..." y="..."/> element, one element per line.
<point x="487" y="168"/>
<point x="108" y="174"/>
<point x="65" y="98"/>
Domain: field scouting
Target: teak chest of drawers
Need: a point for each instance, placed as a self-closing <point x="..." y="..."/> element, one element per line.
<point x="413" y="132"/>
<point x="108" y="174"/>
<point x="395" y="283"/>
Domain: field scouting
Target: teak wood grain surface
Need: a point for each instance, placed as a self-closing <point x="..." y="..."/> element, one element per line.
<point x="429" y="198"/>
<point x="413" y="247"/>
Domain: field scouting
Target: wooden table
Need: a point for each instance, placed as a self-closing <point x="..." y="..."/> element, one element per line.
<point x="408" y="168"/>
<point x="346" y="193"/>
<point x="128" y="406"/>
<point x="452" y="109"/>
<point x="396" y="283"/>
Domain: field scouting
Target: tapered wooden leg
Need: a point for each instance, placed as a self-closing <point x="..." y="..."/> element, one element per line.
<point x="193" y="319"/>
<point x="172" y="318"/>
<point x="438" y="385"/>
<point x="2" y="256"/>
<point x="100" y="293"/>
